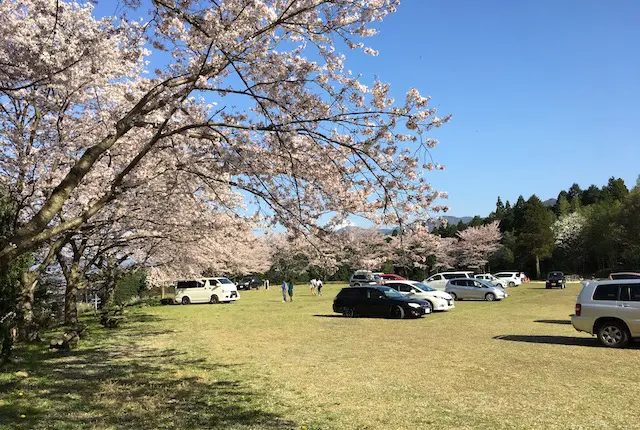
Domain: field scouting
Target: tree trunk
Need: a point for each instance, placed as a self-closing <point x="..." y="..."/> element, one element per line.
<point x="162" y="290"/>
<point x="27" y="327"/>
<point x="71" y="297"/>
<point x="537" y="267"/>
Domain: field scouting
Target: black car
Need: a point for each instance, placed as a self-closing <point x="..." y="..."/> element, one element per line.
<point x="378" y="301"/>
<point x="249" y="282"/>
<point x="556" y="280"/>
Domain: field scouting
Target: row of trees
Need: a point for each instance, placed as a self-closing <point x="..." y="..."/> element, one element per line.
<point x="588" y="232"/>
<point x="108" y="162"/>
<point x="415" y="252"/>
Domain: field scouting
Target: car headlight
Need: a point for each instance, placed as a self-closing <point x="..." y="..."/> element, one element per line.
<point x="414" y="305"/>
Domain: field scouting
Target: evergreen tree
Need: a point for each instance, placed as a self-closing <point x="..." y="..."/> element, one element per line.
<point x="574" y="192"/>
<point x="519" y="210"/>
<point x="562" y="205"/>
<point x="615" y="189"/>
<point x="590" y="196"/>
<point x="536" y="237"/>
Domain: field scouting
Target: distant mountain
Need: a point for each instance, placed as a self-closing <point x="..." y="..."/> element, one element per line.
<point x="431" y="223"/>
<point x="550" y="202"/>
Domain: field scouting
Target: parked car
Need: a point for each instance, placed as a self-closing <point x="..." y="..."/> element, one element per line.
<point x="489" y="277"/>
<point x="439" y="280"/>
<point x="609" y="310"/>
<point x="206" y="290"/>
<point x="512" y="279"/>
<point x="391" y="277"/>
<point x="556" y="279"/>
<point x="364" y="277"/>
<point x="480" y="289"/>
<point x="624" y="275"/>
<point x="249" y="282"/>
<point x="437" y="300"/>
<point x="378" y="301"/>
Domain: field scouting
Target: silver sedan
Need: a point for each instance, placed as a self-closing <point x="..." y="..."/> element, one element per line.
<point x="465" y="288"/>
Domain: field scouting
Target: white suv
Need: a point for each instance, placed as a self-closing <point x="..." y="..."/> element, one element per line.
<point x="609" y="310"/>
<point x="511" y="279"/>
<point x="439" y="280"/>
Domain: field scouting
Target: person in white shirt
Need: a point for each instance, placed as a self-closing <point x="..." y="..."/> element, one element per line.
<point x="313" y="285"/>
<point x="319" y="286"/>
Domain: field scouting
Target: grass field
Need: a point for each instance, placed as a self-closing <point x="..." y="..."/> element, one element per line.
<point x="263" y="364"/>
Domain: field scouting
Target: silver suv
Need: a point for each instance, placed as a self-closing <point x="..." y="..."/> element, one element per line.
<point x="610" y="310"/>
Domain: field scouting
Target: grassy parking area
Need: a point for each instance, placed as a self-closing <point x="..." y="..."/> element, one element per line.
<point x="263" y="364"/>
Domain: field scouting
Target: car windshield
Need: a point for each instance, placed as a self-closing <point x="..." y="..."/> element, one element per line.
<point x="391" y="293"/>
<point x="423" y="287"/>
<point x="224" y="281"/>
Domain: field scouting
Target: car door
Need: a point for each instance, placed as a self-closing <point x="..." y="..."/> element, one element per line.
<point x="629" y="307"/>
<point x="479" y="290"/>
<point x="458" y="288"/>
<point x="377" y="303"/>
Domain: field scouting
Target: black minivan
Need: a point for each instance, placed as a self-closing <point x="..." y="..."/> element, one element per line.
<point x="378" y="301"/>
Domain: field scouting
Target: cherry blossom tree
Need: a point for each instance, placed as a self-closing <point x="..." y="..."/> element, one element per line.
<point x="364" y="248"/>
<point x="476" y="244"/>
<point x="255" y="99"/>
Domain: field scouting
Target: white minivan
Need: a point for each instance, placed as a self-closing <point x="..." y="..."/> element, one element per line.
<point x="439" y="280"/>
<point x="206" y="290"/>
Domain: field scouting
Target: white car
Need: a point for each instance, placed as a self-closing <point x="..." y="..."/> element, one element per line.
<point x="495" y="281"/>
<point x="206" y="290"/>
<point x="437" y="300"/>
<point x="512" y="279"/>
<point x="439" y="280"/>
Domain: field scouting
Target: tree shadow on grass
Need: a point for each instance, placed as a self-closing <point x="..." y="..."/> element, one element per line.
<point x="119" y="384"/>
<point x="558" y="340"/>
<point x="564" y="322"/>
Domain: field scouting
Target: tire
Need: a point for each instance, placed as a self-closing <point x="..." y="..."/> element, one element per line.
<point x="548" y="287"/>
<point x="214" y="299"/>
<point x="348" y="312"/>
<point x="490" y="297"/>
<point x="453" y="296"/>
<point x="613" y="334"/>
<point x="185" y="300"/>
<point x="512" y="284"/>
<point x="397" y="312"/>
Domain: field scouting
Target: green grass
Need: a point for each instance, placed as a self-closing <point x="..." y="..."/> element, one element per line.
<point x="263" y="364"/>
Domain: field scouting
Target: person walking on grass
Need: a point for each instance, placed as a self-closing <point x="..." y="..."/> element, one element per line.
<point x="266" y="284"/>
<point x="313" y="286"/>
<point x="284" y="291"/>
<point x="319" y="286"/>
<point x="290" y="291"/>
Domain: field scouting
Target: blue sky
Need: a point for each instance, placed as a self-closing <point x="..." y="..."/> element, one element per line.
<point x="543" y="93"/>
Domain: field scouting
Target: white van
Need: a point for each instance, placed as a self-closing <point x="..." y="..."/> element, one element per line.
<point x="511" y="279"/>
<point x="439" y="280"/>
<point x="206" y="290"/>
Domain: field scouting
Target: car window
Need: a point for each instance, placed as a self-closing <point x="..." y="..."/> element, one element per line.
<point x="634" y="293"/>
<point x="213" y="282"/>
<point x="375" y="294"/>
<point x="450" y="276"/>
<point x="624" y="276"/>
<point x="404" y="288"/>
<point x="606" y="292"/>
<point x="479" y="284"/>
<point x="189" y="284"/>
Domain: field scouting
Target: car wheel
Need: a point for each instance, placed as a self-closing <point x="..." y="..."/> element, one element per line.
<point x="512" y="284"/>
<point x="185" y="300"/>
<point x="490" y="297"/>
<point x="453" y="296"/>
<point x="397" y="312"/>
<point x="613" y="334"/>
<point x="214" y="299"/>
<point x="348" y="312"/>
